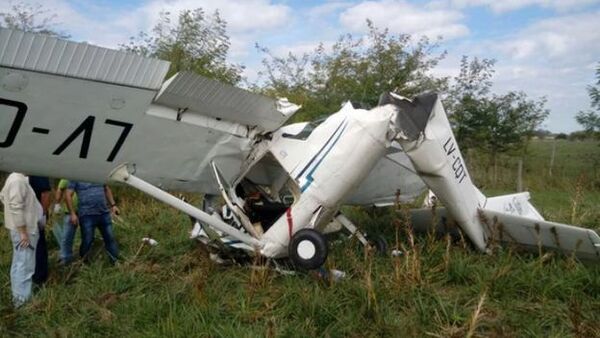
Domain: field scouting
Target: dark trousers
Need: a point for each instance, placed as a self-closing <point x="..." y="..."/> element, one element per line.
<point x="40" y="276"/>
<point x="88" y="225"/>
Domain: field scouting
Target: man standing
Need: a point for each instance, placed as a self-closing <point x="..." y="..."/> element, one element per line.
<point x="22" y="212"/>
<point x="42" y="189"/>
<point x="63" y="229"/>
<point x="93" y="211"/>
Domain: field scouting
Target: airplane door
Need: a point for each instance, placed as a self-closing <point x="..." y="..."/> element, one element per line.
<point x="228" y="194"/>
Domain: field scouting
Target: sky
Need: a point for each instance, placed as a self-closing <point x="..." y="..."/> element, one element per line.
<point x="546" y="48"/>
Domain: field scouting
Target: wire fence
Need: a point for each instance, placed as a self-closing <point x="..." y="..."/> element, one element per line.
<point x="544" y="165"/>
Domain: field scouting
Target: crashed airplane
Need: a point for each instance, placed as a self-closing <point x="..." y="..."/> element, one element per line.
<point x="94" y="114"/>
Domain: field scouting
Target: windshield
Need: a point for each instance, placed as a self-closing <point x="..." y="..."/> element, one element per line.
<point x="306" y="131"/>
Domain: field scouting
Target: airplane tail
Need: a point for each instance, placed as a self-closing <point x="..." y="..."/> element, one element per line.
<point x="424" y="132"/>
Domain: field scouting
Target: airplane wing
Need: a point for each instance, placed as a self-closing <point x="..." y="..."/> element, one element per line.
<point x="393" y="177"/>
<point x="78" y="111"/>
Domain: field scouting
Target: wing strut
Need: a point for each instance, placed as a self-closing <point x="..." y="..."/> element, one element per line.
<point x="353" y="229"/>
<point x="121" y="174"/>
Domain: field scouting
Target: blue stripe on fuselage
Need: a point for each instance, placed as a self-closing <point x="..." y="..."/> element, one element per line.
<point x="309" y="178"/>
<point x="320" y="150"/>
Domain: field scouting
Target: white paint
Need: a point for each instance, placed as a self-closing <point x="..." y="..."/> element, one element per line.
<point x="306" y="249"/>
<point x="349" y="157"/>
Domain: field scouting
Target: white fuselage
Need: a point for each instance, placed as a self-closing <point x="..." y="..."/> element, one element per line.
<point x="328" y="166"/>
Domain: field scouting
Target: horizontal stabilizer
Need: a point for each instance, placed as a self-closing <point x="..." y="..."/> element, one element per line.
<point x="513" y="204"/>
<point x="535" y="234"/>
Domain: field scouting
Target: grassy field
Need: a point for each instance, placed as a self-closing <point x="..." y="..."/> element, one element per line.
<point x="437" y="288"/>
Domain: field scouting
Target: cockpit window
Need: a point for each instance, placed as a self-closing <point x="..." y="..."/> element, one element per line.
<point x="306" y="131"/>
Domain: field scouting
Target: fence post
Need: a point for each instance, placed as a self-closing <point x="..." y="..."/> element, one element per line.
<point x="520" y="176"/>
<point x="552" y="157"/>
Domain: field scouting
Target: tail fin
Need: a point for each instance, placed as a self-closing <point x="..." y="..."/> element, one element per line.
<point x="425" y="135"/>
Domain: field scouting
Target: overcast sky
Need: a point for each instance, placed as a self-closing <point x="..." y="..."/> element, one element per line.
<point x="543" y="47"/>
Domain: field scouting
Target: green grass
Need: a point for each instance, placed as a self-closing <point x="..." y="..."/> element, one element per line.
<point x="436" y="288"/>
<point x="573" y="160"/>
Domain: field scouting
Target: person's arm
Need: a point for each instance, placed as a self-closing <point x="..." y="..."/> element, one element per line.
<point x="70" y="208"/>
<point x="16" y="202"/>
<point x="111" y="201"/>
<point x="45" y="201"/>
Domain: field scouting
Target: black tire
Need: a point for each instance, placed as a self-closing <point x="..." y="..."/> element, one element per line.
<point x="308" y="249"/>
<point x="379" y="243"/>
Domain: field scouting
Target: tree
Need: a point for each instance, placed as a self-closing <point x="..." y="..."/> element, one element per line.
<point x="514" y="118"/>
<point x="360" y="69"/>
<point x="467" y="101"/>
<point x="578" y="136"/>
<point x="30" y="18"/>
<point x="590" y="120"/>
<point x="193" y="42"/>
<point x="490" y="122"/>
<point x="542" y="133"/>
<point x="496" y="123"/>
<point x="594" y="91"/>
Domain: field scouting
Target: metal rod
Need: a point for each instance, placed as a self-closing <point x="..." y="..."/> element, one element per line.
<point x="353" y="229"/>
<point x="121" y="175"/>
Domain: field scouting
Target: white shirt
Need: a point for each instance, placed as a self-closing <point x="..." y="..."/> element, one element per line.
<point x="21" y="207"/>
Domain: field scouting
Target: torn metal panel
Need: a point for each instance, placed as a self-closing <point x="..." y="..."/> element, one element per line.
<point x="197" y="94"/>
<point x="46" y="54"/>
<point x="414" y="114"/>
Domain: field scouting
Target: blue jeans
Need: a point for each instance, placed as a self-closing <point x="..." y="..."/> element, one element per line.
<point x="64" y="232"/>
<point x="58" y="230"/>
<point x="88" y="224"/>
<point x="22" y="268"/>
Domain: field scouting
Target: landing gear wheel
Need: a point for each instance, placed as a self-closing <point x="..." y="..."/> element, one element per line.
<point x="308" y="249"/>
<point x="379" y="243"/>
